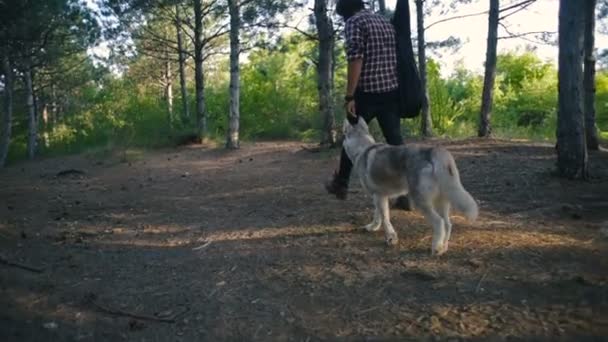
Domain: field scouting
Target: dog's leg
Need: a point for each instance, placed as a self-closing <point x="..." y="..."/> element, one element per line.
<point x="375" y="225"/>
<point x="443" y="206"/>
<point x="438" y="226"/>
<point x="389" y="231"/>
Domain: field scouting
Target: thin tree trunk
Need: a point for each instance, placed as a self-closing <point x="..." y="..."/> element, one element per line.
<point x="182" y="63"/>
<point x="426" y="123"/>
<point x="7" y="118"/>
<point x="53" y="116"/>
<point x="45" y="125"/>
<point x="31" y="110"/>
<point x="55" y="109"/>
<point x="571" y="144"/>
<point x="169" y="90"/>
<point x="324" y="72"/>
<point x="232" y="139"/>
<point x="589" y="76"/>
<point x="487" y="98"/>
<point x="382" y="7"/>
<point x="199" y="76"/>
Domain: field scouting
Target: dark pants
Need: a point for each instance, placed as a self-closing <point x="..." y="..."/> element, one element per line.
<point x="385" y="108"/>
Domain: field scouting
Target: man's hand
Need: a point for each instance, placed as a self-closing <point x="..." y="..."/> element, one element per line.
<point x="350" y="108"/>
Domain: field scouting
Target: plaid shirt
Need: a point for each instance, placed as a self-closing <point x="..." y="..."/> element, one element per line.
<point x="371" y="37"/>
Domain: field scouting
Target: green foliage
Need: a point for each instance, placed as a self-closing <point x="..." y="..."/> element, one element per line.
<point x="525" y="96"/>
<point x="279" y="101"/>
<point x="446" y="111"/>
<point x="279" y="98"/>
<point x="601" y="100"/>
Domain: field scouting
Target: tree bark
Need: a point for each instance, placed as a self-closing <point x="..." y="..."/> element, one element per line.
<point x="169" y="90"/>
<point x="571" y="144"/>
<point x="199" y="76"/>
<point x="382" y="7"/>
<point x="589" y="76"/>
<point x="324" y="72"/>
<point x="45" y="125"/>
<point x="232" y="139"/>
<point x="31" y="110"/>
<point x="426" y="128"/>
<point x="7" y="118"/>
<point x="485" y="127"/>
<point x="182" y="64"/>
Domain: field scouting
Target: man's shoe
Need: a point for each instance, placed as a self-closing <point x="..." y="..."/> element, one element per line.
<point x="337" y="187"/>
<point x="402" y="203"/>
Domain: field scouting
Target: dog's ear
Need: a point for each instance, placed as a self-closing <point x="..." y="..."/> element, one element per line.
<point x="363" y="125"/>
<point x="345" y="127"/>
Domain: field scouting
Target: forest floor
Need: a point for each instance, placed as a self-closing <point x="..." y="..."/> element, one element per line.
<point x="199" y="243"/>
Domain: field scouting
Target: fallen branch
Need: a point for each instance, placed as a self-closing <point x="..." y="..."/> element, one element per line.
<point x="203" y="246"/>
<point x="91" y="299"/>
<point x="69" y="172"/>
<point x="311" y="150"/>
<point x="480" y="281"/>
<point x="19" y="265"/>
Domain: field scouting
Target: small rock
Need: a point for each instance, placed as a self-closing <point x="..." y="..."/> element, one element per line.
<point x="164" y="314"/>
<point x="475" y="263"/>
<point x="50" y="325"/>
<point x="582" y="280"/>
<point x="419" y="274"/>
<point x="135" y="325"/>
<point x="604" y="230"/>
<point x="576" y="216"/>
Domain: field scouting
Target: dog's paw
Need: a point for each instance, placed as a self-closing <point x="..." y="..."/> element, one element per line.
<point x="439" y="250"/>
<point x="392" y="239"/>
<point x="372" y="227"/>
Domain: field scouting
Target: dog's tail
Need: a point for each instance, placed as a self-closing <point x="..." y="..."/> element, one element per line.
<point x="450" y="186"/>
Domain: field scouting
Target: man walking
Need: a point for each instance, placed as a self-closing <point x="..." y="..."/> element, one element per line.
<point x="372" y="82"/>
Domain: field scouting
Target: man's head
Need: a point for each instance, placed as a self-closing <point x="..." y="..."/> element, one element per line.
<point x="348" y="8"/>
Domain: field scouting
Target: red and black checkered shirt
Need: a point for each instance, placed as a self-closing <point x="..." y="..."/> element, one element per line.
<point x="371" y="37"/>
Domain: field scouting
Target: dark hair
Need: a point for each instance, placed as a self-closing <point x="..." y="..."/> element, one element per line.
<point x="347" y="8"/>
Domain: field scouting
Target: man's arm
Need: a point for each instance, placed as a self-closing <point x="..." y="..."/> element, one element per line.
<point x="353" y="74"/>
<point x="355" y="43"/>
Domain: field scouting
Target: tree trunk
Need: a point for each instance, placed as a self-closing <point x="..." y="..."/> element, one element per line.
<point x="54" y="105"/>
<point x="571" y="144"/>
<point x="232" y="139"/>
<point x="182" y="64"/>
<point x="169" y="90"/>
<point x="7" y="118"/>
<point x="324" y="72"/>
<point x="45" y="125"/>
<point x="199" y="76"/>
<point x="485" y="128"/>
<point x="589" y="76"/>
<point x="31" y="110"/>
<point x="382" y="7"/>
<point x="426" y="122"/>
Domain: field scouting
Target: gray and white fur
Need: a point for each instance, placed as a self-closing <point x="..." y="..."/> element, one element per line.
<point x="427" y="174"/>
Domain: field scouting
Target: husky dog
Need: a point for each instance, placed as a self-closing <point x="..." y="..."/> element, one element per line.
<point x="428" y="175"/>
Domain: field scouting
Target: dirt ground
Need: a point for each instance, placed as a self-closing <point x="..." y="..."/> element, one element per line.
<point x="203" y="244"/>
